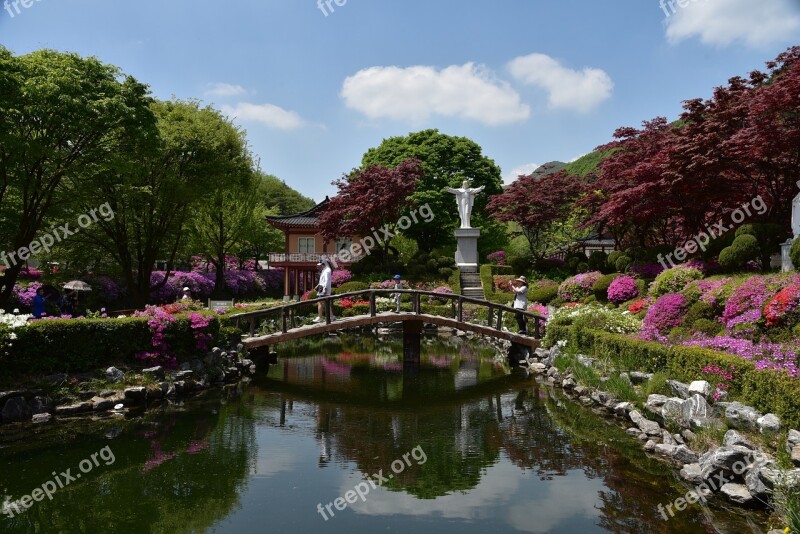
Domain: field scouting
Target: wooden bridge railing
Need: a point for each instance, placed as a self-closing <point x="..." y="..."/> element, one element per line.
<point x="457" y="306"/>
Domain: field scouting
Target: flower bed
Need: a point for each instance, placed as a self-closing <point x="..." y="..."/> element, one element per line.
<point x="577" y="288"/>
<point x="622" y="289"/>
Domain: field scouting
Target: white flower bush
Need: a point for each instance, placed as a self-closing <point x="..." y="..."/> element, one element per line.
<point x="8" y="323"/>
<point x="597" y="317"/>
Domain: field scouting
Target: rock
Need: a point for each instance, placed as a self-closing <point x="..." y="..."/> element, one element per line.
<point x="155" y="372"/>
<point x="603" y="398"/>
<point x="688" y="435"/>
<point x="119" y="407"/>
<point x="732" y="462"/>
<point x="634" y="431"/>
<point x="114" y="375"/>
<point x="685" y="455"/>
<point x="695" y="407"/>
<point x="692" y="472"/>
<point x="655" y="402"/>
<point x="795" y="455"/>
<point x="678" y="439"/>
<point x="39" y="418"/>
<point x="568" y="383"/>
<point x="664" y="450"/>
<point x="772" y="477"/>
<point x="183" y="375"/>
<point x="580" y="390"/>
<point x="585" y="360"/>
<point x="769" y="424"/>
<point x="15" y="410"/>
<point x="623" y="409"/>
<point x="541" y="353"/>
<point x="733" y="437"/>
<point x="737" y="493"/>
<point x="86" y="395"/>
<point x="667" y="439"/>
<point x="672" y="410"/>
<point x="707" y="422"/>
<point x="651" y="428"/>
<point x="741" y="417"/>
<point x="40" y="405"/>
<point x="700" y="387"/>
<point x="650" y="446"/>
<point x="5" y="395"/>
<point x="537" y="368"/>
<point x="185" y="366"/>
<point x="135" y="395"/>
<point x="74" y="409"/>
<point x="639" y="378"/>
<point x="103" y="405"/>
<point x="792" y="440"/>
<point x="679" y="389"/>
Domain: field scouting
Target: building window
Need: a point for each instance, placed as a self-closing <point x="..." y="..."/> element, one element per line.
<point x="306" y="245"/>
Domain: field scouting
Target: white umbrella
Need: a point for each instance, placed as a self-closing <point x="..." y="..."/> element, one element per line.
<point x="78" y="285"/>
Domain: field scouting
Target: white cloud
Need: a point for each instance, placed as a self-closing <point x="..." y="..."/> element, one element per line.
<point x="417" y="93"/>
<point x="516" y="172"/>
<point x="268" y="114"/>
<point x="567" y="88"/>
<point x="720" y="22"/>
<point x="224" y="90"/>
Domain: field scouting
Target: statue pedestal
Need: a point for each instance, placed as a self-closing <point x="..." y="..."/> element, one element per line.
<point x="786" y="261"/>
<point x="467" y="251"/>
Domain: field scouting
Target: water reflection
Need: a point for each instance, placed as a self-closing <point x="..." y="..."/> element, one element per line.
<point x="502" y="456"/>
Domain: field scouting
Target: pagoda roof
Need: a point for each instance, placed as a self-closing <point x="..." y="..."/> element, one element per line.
<point x="306" y="219"/>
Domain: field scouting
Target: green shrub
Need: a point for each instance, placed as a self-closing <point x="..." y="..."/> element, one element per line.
<point x="708" y="327"/>
<point x="657" y="385"/>
<point x="794" y="254"/>
<point x="674" y="280"/>
<point x="544" y="295"/>
<point x="521" y="263"/>
<point x="743" y="249"/>
<point x="350" y="287"/>
<point x="591" y="299"/>
<point x="698" y="310"/>
<point x="679" y="334"/>
<point x="623" y="263"/>
<point x="611" y="260"/>
<point x="582" y="267"/>
<point x="621" y="388"/>
<point x="600" y="288"/>
<point x="598" y="261"/>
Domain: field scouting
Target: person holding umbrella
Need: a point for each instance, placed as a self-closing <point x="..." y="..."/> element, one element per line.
<point x="69" y="303"/>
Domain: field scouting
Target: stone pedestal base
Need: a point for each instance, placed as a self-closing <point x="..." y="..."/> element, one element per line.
<point x="467" y="251"/>
<point x="786" y="261"/>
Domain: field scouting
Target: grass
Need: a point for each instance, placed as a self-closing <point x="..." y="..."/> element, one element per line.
<point x="586" y="375"/>
<point x="657" y="386"/>
<point x="707" y="438"/>
<point x="621" y="388"/>
<point x="786" y="503"/>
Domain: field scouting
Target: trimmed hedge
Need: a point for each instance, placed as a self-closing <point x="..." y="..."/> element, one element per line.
<point x="69" y="345"/>
<point x="766" y="390"/>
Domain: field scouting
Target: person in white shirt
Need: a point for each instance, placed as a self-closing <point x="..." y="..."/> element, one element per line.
<point x="323" y="289"/>
<point x="187" y="294"/>
<point x="520" y="288"/>
<point x="398" y="297"/>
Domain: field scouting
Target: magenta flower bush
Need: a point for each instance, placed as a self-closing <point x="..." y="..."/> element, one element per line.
<point x="497" y="258"/>
<point x="200" y="285"/>
<point x="745" y="305"/>
<point x="540" y="309"/>
<point x="577" y="288"/>
<point x="444" y="290"/>
<point x="713" y="292"/>
<point x="24" y="294"/>
<point x="340" y="277"/>
<point x="622" y="289"/>
<point x="765" y="355"/>
<point x="30" y="273"/>
<point x="663" y="315"/>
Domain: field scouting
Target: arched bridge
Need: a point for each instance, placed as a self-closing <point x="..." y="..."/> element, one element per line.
<point x="461" y="317"/>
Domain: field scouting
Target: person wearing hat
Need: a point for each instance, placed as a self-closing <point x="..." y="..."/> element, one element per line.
<point x="323" y="288"/>
<point x="398" y="284"/>
<point x="187" y="294"/>
<point x="520" y="289"/>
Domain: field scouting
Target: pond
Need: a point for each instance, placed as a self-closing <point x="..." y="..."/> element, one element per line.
<point x="339" y="437"/>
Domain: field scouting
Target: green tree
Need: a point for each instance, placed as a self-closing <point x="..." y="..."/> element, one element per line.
<point x="154" y="193"/>
<point x="62" y="118"/>
<point x="281" y="198"/>
<point x="447" y="161"/>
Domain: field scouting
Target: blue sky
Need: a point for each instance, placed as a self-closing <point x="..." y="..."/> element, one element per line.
<point x="529" y="80"/>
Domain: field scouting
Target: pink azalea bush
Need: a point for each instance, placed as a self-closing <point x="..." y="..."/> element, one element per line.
<point x="24" y="294"/>
<point x="713" y="292"/>
<point x="577" y="288"/>
<point x="497" y="258"/>
<point x="663" y="315"/>
<point x="444" y="290"/>
<point x="622" y="289"/>
<point x="745" y="306"/>
<point x="340" y="277"/>
<point x="538" y="308"/>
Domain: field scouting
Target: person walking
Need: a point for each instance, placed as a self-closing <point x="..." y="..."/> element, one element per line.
<point x="398" y="284"/>
<point x="323" y="289"/>
<point x="38" y="303"/>
<point x="187" y="294"/>
<point x="520" y="288"/>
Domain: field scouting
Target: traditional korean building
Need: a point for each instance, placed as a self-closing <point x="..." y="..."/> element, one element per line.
<point x="304" y="246"/>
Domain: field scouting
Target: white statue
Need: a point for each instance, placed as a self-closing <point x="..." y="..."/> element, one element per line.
<point x="465" y="198"/>
<point x="796" y="214"/>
